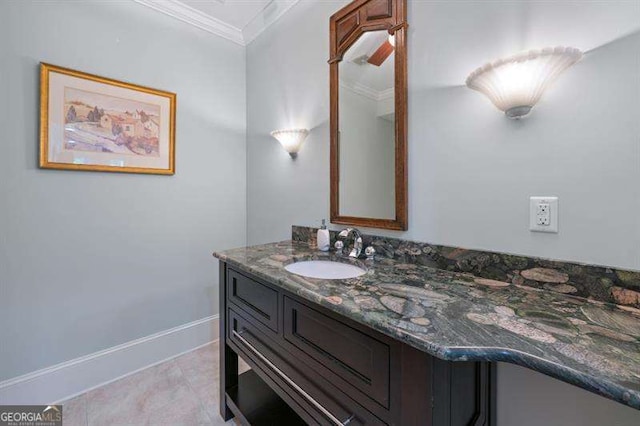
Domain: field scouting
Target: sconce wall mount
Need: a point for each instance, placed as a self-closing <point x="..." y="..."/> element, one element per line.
<point x="515" y="84"/>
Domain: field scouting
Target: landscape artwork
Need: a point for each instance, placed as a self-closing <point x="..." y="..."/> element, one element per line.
<point x="99" y="124"/>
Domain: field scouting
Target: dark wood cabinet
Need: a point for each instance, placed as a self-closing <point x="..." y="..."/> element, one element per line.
<point x="259" y="300"/>
<point x="355" y="359"/>
<point x="313" y="366"/>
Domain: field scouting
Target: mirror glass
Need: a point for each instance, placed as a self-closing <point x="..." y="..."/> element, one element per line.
<point x="366" y="120"/>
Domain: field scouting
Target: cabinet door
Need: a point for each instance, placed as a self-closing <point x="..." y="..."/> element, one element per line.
<point x="361" y="362"/>
<point x="298" y="385"/>
<point x="257" y="299"/>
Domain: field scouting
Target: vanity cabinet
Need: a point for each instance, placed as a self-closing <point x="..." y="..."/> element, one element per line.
<point x="310" y="365"/>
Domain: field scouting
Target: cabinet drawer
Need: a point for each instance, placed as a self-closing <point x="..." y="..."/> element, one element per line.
<point x="297" y="382"/>
<point x="256" y="298"/>
<point x="358" y="360"/>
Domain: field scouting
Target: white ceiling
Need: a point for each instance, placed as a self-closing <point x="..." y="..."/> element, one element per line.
<point x="376" y="82"/>
<point x="237" y="20"/>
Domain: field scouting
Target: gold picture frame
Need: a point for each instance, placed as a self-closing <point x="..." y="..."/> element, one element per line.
<point x="93" y="123"/>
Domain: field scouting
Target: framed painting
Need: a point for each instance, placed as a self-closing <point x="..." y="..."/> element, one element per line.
<point x="99" y="124"/>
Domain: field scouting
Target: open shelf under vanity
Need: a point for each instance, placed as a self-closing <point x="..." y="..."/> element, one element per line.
<point x="253" y="402"/>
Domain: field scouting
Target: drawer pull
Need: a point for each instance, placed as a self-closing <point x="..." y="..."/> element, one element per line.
<point x="291" y="383"/>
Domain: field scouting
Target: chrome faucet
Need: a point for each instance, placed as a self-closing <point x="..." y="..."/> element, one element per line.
<point x="357" y="240"/>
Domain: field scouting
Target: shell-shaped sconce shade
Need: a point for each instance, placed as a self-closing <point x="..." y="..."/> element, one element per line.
<point x="291" y="139"/>
<point x="515" y="84"/>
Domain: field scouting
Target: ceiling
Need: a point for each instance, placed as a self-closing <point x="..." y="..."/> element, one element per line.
<point x="237" y="20"/>
<point x="375" y="82"/>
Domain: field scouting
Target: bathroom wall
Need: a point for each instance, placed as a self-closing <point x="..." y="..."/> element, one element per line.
<point x="526" y="398"/>
<point x="471" y="170"/>
<point x="91" y="260"/>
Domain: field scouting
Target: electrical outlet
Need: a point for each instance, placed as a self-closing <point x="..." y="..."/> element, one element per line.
<point x="543" y="214"/>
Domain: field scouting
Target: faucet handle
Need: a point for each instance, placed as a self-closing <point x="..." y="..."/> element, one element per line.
<point x="345" y="232"/>
<point x="370" y="252"/>
<point x="339" y="246"/>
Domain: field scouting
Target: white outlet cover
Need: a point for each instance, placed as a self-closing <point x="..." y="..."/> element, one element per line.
<point x="534" y="202"/>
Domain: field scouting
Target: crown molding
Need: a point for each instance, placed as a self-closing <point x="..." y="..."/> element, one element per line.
<point x="266" y="17"/>
<point x="386" y="94"/>
<point x="181" y="11"/>
<point x="368" y="92"/>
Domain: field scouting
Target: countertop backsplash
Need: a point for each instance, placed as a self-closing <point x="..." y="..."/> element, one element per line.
<point x="594" y="282"/>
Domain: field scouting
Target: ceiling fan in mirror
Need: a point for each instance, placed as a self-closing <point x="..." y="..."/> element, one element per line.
<point x="383" y="52"/>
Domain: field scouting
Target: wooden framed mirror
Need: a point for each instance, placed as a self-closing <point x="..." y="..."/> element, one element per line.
<point x="368" y="66"/>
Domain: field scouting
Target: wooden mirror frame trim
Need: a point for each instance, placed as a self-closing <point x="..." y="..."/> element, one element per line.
<point x="345" y="27"/>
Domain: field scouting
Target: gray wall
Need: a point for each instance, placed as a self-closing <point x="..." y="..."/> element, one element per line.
<point x="92" y="260"/>
<point x="530" y="399"/>
<point x="580" y="143"/>
<point x="471" y="171"/>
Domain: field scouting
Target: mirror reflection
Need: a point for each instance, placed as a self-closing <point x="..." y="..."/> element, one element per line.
<point x="366" y="111"/>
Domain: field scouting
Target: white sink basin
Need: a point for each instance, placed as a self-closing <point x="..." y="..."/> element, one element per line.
<point x="325" y="269"/>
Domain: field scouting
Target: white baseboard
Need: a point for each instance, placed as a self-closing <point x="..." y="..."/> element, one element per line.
<point x="65" y="380"/>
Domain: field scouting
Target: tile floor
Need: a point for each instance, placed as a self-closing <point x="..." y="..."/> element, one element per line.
<point x="181" y="391"/>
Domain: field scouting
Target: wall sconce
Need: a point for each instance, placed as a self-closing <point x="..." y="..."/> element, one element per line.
<point x="291" y="139"/>
<point x="515" y="84"/>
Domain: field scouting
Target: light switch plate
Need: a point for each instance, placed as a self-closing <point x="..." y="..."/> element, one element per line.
<point x="543" y="214"/>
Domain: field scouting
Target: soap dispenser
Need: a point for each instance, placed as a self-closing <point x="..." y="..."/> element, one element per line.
<point x="323" y="237"/>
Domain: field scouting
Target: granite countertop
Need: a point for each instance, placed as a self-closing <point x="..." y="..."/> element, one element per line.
<point x="460" y="317"/>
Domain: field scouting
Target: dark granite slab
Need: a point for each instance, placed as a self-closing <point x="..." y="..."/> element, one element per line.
<point x="602" y="283"/>
<point x="458" y="316"/>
